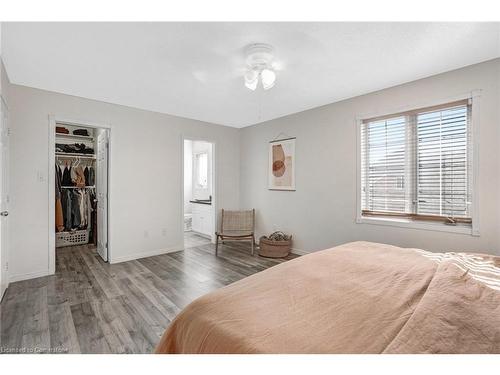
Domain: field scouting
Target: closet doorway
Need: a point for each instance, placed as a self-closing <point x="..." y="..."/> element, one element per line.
<point x="199" y="210"/>
<point x="79" y="196"/>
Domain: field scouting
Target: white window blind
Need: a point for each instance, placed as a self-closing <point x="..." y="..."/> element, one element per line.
<point x="385" y="160"/>
<point x="417" y="164"/>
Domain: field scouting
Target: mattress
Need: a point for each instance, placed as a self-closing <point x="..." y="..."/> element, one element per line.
<point x="360" y="297"/>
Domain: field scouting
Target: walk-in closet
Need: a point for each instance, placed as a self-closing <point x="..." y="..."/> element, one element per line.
<point x="81" y="196"/>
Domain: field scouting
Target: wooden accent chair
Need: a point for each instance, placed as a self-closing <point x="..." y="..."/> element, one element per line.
<point x="236" y="226"/>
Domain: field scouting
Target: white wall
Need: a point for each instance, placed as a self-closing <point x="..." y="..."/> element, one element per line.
<point x="4" y="81"/>
<point x="188" y="175"/>
<point x="321" y="213"/>
<point x="145" y="181"/>
<point x="2" y="77"/>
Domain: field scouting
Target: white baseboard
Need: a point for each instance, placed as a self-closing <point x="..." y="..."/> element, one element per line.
<point x="27" y="276"/>
<point x="299" y="251"/>
<point x="3" y="289"/>
<point x="146" y="254"/>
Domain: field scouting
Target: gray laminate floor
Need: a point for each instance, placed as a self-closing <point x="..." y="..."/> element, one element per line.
<point x="90" y="306"/>
<point x="191" y="239"/>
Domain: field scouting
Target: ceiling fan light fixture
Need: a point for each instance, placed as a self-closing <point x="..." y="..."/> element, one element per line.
<point x="268" y="77"/>
<point x="259" y="66"/>
<point x="251" y="85"/>
<point x="251" y="79"/>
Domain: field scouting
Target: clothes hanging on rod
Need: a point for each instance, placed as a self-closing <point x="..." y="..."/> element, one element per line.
<point x="91" y="180"/>
<point x="80" y="177"/>
<point x="74" y="195"/>
<point x="86" y="174"/>
<point x="60" y="173"/>
<point x="59" y="210"/>
<point x="73" y="175"/>
<point x="89" y="175"/>
<point x="77" y="173"/>
<point x="77" y="208"/>
<point x="93" y="220"/>
<point x="66" y="176"/>
<point x="66" y="206"/>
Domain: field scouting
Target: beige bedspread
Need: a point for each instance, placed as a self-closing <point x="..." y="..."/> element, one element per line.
<point x="356" y="298"/>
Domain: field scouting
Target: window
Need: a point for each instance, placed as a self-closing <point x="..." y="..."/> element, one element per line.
<point x="202" y="170"/>
<point x="417" y="165"/>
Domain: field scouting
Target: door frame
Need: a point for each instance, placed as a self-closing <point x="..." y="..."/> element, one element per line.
<point x="53" y="120"/>
<point x="5" y="271"/>
<point x="214" y="183"/>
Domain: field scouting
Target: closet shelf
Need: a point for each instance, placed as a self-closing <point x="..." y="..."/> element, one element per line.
<point x="81" y="156"/>
<point x="62" y="135"/>
<point x="76" y="187"/>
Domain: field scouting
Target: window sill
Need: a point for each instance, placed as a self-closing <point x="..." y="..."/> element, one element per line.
<point x="405" y="223"/>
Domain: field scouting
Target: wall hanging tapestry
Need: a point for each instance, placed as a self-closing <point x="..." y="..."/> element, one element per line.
<point x="282" y="164"/>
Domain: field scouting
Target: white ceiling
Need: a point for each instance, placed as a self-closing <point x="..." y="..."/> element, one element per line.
<point x="194" y="70"/>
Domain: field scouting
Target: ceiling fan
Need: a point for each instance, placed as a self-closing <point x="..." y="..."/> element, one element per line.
<point x="259" y="66"/>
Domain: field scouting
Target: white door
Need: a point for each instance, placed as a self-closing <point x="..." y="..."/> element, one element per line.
<point x="4" y="199"/>
<point x="102" y="194"/>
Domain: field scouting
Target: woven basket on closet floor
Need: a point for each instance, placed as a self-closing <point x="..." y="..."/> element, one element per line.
<point x="76" y="237"/>
<point x="274" y="249"/>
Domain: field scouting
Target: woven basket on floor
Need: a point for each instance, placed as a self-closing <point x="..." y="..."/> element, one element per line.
<point x="274" y="249"/>
<point x="76" y="237"/>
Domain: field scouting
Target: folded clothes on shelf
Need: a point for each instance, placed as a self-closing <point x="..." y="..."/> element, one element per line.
<point x="83" y="132"/>
<point x="75" y="148"/>
<point x="61" y="130"/>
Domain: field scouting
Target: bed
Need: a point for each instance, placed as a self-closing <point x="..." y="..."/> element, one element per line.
<point x="360" y="297"/>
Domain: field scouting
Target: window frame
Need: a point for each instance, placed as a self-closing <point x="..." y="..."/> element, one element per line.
<point x="197" y="169"/>
<point x="407" y="220"/>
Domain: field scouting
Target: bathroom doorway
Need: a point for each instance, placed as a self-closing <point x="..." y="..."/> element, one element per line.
<point x="199" y="213"/>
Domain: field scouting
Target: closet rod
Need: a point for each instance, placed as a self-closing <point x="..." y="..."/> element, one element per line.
<point x="74" y="136"/>
<point x="78" y="156"/>
<point x="77" y="187"/>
